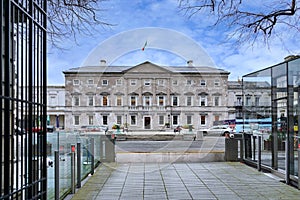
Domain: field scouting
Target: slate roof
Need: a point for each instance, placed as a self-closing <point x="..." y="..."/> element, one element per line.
<point x="123" y="69"/>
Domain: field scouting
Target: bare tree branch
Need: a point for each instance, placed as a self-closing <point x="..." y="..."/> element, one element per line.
<point x="67" y="18"/>
<point x="246" y="24"/>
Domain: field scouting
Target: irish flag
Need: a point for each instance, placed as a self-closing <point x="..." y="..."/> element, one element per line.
<point x="144" y="46"/>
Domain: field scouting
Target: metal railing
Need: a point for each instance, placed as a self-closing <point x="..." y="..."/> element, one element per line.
<point x="23" y="99"/>
<point x="74" y="156"/>
<point x="269" y="153"/>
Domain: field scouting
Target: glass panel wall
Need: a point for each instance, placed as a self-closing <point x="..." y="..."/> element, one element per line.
<point x="271" y="117"/>
<point x="257" y="115"/>
<point x="293" y="115"/>
<point x="279" y="115"/>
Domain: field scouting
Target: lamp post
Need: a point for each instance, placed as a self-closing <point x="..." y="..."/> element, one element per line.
<point x="126" y="127"/>
<point x="57" y="129"/>
<point x="171" y="122"/>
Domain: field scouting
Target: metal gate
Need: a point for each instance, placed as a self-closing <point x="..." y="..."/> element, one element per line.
<point x="23" y="99"/>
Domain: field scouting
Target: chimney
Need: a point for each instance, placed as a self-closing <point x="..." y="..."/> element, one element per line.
<point x="190" y="63"/>
<point x="102" y="62"/>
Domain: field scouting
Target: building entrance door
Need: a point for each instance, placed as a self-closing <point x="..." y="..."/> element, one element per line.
<point x="147" y="122"/>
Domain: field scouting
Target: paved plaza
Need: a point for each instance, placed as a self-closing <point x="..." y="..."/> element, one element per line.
<point x="215" y="180"/>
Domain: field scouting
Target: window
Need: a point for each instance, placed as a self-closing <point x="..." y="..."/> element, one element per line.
<point x="160" y="82"/>
<point x="133" y="101"/>
<point x="161" y="120"/>
<point x="161" y="101"/>
<point x="248" y="99"/>
<point x="76" y="82"/>
<point x="202" y="82"/>
<point x="175" y="120"/>
<point x="188" y="82"/>
<point x="256" y="101"/>
<point x="217" y="83"/>
<point x="133" y="120"/>
<point x="119" y="119"/>
<point x="147" y="101"/>
<point x="189" y="100"/>
<point x="217" y="101"/>
<point x="203" y="100"/>
<point x="147" y="82"/>
<point x="188" y="119"/>
<point x="239" y="101"/>
<point x="76" y="101"/>
<point x="174" y="101"/>
<point x="90" y="100"/>
<point x="119" y="82"/>
<point x="91" y="120"/>
<point x="104" y="120"/>
<point x="104" y="82"/>
<point x="104" y="100"/>
<point x="76" y="120"/>
<point x="119" y="100"/>
<point x="133" y="82"/>
<point x="174" y="82"/>
<point x="217" y="117"/>
<point x="202" y="120"/>
<point x="53" y="101"/>
<point x="90" y="82"/>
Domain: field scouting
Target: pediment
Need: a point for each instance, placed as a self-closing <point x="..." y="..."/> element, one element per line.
<point x="147" y="67"/>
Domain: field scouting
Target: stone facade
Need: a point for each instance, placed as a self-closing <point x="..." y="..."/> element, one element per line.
<point x="145" y="96"/>
<point x="56" y="105"/>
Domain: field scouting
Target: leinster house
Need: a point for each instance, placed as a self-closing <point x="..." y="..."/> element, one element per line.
<point x="146" y="96"/>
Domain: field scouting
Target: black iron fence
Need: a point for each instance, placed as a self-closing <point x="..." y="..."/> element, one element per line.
<point x="23" y="99"/>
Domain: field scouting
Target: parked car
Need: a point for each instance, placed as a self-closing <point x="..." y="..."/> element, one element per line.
<point x="37" y="129"/>
<point x="218" y="130"/>
<point x="50" y="128"/>
<point x="19" y="131"/>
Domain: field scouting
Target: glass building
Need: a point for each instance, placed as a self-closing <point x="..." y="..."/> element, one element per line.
<point x="271" y="109"/>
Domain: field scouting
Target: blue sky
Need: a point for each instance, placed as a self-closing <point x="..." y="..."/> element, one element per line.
<point x="128" y="16"/>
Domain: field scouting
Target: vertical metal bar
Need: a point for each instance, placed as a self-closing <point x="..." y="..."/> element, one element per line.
<point x="78" y="165"/>
<point x="287" y="160"/>
<point x="259" y="154"/>
<point x="56" y="174"/>
<point x="72" y="172"/>
<point x="298" y="168"/>
<point x="1" y="92"/>
<point x="286" y="133"/>
<point x="44" y="74"/>
<point x="92" y="147"/>
<point x="57" y="127"/>
<point x="6" y="120"/>
<point x="275" y="149"/>
<point x="30" y="99"/>
<point x="254" y="147"/>
<point x="242" y="148"/>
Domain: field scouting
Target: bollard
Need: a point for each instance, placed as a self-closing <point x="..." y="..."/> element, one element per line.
<point x="78" y="165"/>
<point x="72" y="172"/>
<point x="56" y="174"/>
<point x="92" y="155"/>
<point x="259" y="154"/>
<point x="242" y="148"/>
<point x="254" y="147"/>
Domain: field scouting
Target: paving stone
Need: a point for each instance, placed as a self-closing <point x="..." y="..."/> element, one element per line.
<point x="183" y="181"/>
